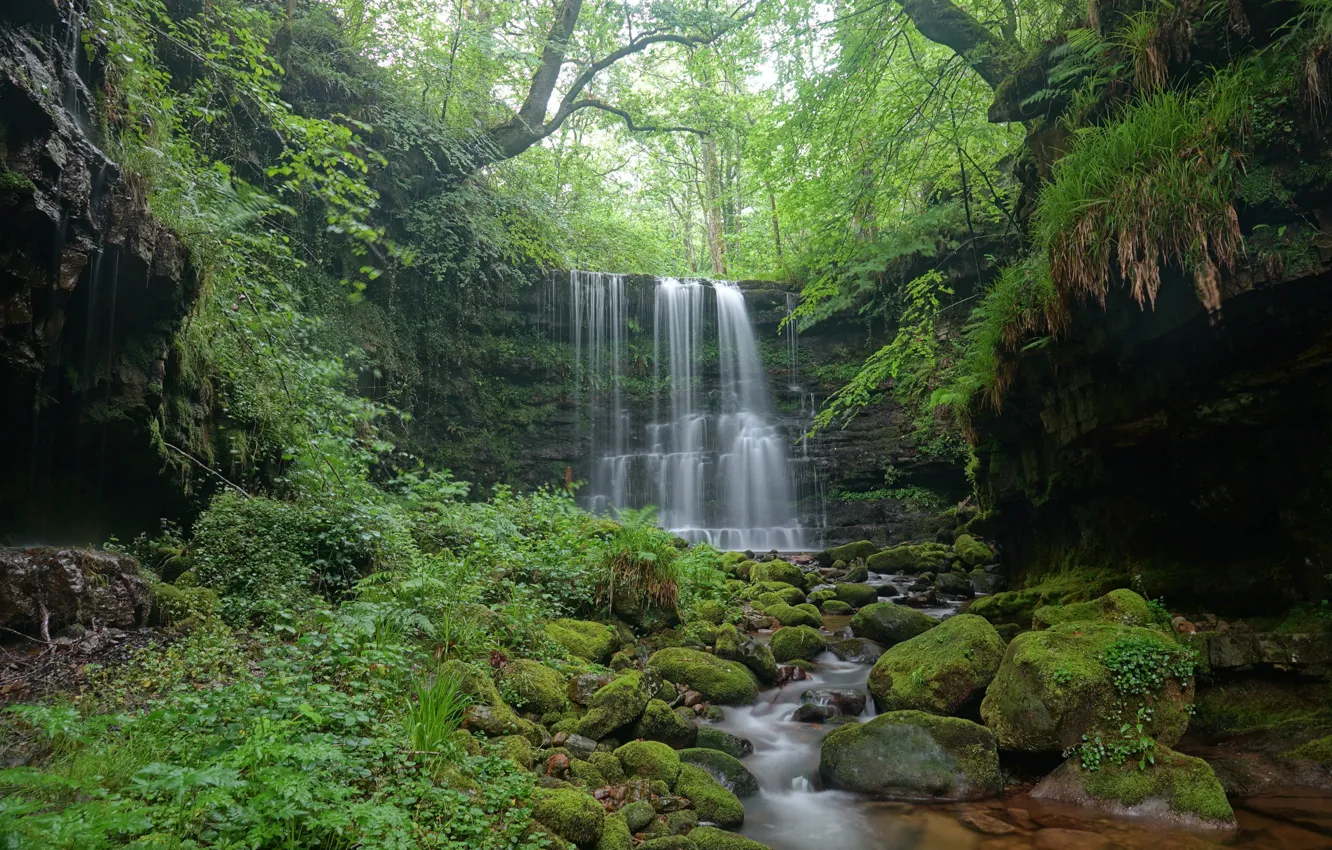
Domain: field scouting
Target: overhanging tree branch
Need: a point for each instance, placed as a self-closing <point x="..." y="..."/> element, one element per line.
<point x="943" y="22"/>
<point x="630" y="125"/>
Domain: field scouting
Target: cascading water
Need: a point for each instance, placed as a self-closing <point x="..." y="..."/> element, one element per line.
<point x="711" y="458"/>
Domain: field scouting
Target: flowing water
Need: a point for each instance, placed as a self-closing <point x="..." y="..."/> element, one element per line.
<point x="710" y="458"/>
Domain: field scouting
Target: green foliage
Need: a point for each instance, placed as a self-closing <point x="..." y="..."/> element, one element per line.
<point x="434" y="712"/>
<point x="640" y="563"/>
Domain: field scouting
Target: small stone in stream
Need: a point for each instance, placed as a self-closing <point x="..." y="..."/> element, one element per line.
<point x="987" y="824"/>
<point x="810" y="713"/>
<point x="887" y="591"/>
<point x="846" y="700"/>
<point x="693" y="698"/>
<point x="920" y="585"/>
<point x="923" y="600"/>
<point x="1070" y="839"/>
<point x="790" y="674"/>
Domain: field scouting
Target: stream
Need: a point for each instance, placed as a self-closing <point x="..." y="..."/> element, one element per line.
<point x="792" y="812"/>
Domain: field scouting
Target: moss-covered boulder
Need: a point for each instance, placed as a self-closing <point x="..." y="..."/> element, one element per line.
<point x="669" y="842"/>
<point x="649" y="760"/>
<point x="726" y="645"/>
<point x="488" y="713"/>
<point x="710" y="611"/>
<point x="608" y="765"/>
<point x="912" y="755"/>
<point x="722" y="682"/>
<point x="1010" y="607"/>
<point x="712" y="838"/>
<point x="913" y="558"/>
<point x="777" y="593"/>
<point x="1117" y="606"/>
<point x="535" y="687"/>
<point x="662" y="723"/>
<point x="570" y="814"/>
<point x="971" y="551"/>
<point x="887" y="624"/>
<point x="788" y="615"/>
<point x="615" y="834"/>
<point x="818" y="597"/>
<point x="812" y="610"/>
<point x="583" y="638"/>
<point x="619" y="703"/>
<point x="859" y="650"/>
<point x="757" y="657"/>
<point x="857" y="595"/>
<point x="1176" y="788"/>
<point x="712" y="802"/>
<point x="795" y="642"/>
<point x="723" y="767"/>
<point x="1053" y="687"/>
<point x="836" y="608"/>
<point x="857" y="573"/>
<point x="778" y="571"/>
<point x="712" y="738"/>
<point x="638" y="814"/>
<point x="940" y="671"/>
<point x="850" y="552"/>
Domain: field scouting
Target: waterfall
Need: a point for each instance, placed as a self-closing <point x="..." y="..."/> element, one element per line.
<point x="697" y="439"/>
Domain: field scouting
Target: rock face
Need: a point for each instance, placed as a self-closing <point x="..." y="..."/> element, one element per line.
<point x="91" y="290"/>
<point x="914" y="756"/>
<point x="1179" y="789"/>
<point x="44" y="590"/>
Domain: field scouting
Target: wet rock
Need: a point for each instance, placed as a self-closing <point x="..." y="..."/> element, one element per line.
<point x="43" y="590"/>
<point x="790" y="673"/>
<point x="859" y="650"/>
<point x="887" y="591"/>
<point x="954" y="584"/>
<point x="723" y="682"/>
<point x="928" y="599"/>
<point x="797" y="642"/>
<point x="584" y="685"/>
<point x="1305" y="653"/>
<point x="848" y="701"/>
<point x="858" y="573"/>
<point x="887" y="624"/>
<point x="712" y="738"/>
<point x="1176" y="789"/>
<point x="1012" y="606"/>
<point x="810" y="713"/>
<point x="987" y="824"/>
<point x="649" y="760"/>
<point x="941" y="671"/>
<point x="725" y="768"/>
<point x="912" y="755"/>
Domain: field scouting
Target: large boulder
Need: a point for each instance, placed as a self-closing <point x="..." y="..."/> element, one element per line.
<point x="971" y="551"/>
<point x="712" y="801"/>
<point x="941" y="671"/>
<point x="1054" y="687"/>
<point x="649" y="760"/>
<point x="537" y="688"/>
<point x="1117" y="606"/>
<point x="795" y="642"/>
<point x="570" y="814"/>
<point x="669" y="726"/>
<point x="758" y="658"/>
<point x="619" y="703"/>
<point x="857" y="595"/>
<point x="1011" y="607"/>
<point x="850" y="553"/>
<point x="723" y="767"/>
<point x="1176" y="788"/>
<point x="912" y="755"/>
<point x="43" y="590"/>
<point x="913" y="558"/>
<point x="722" y="682"/>
<point x="583" y="638"/>
<point x="887" y="624"/>
<point x="777" y="571"/>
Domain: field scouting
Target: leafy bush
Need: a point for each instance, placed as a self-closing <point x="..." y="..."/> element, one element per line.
<point x="639" y="566"/>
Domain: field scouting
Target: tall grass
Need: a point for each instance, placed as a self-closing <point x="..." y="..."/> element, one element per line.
<point x="640" y="563"/>
<point x="434" y="712"/>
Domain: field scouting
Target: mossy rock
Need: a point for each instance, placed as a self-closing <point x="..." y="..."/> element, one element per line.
<point x="488" y="713"/>
<point x="682" y="821"/>
<point x="745" y="569"/>
<point x="1176" y="788"/>
<point x="859" y="650"/>
<point x="661" y="723"/>
<point x="795" y="642"/>
<point x="539" y="689"/>
<point x="712" y="838"/>
<point x="726" y="644"/>
<point x="1051" y="689"/>
<point x="700" y="634"/>
<point x="857" y="595"/>
<point x="941" y="671"/>
<point x="1118" y="606"/>
<point x="788" y="615"/>
<point x="516" y="749"/>
<point x="850" y="552"/>
<point x="913" y="558"/>
<point x="1283" y="707"/>
<point x="912" y="755"/>
<point x="781" y="591"/>
<point x="1318" y="750"/>
<point x="887" y="624"/>
<point x="778" y="571"/>
<point x="1011" y="607"/>
<point x="585" y="774"/>
<point x="712" y="738"/>
<point x="619" y="703"/>
<point x="836" y="608"/>
<point x="608" y="765"/>
<point x="757" y="657"/>
<point x="971" y="551"/>
<point x="583" y="638"/>
<point x="857" y="574"/>
<point x="719" y="681"/>
<point x="723" y="767"/>
<point x="638" y="814"/>
<point x="812" y="610"/>
<point x="819" y="597"/>
<point x="711" y="612"/>
<point x="182" y="606"/>
<point x="649" y="760"/>
<point x="570" y="814"/>
<point x="669" y="842"/>
<point x="615" y="834"/>
<point x="712" y="802"/>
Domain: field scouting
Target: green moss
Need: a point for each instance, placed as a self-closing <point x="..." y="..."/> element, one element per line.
<point x="713" y="802"/>
<point x="711" y="612"/>
<point x="727" y="642"/>
<point x="777" y="571"/>
<point x="12" y="181"/>
<point x="810" y="610"/>
<point x="836" y="608"/>
<point x="795" y="642"/>
<point x="1184" y="785"/>
<point x="790" y="594"/>
<point x="570" y="814"/>
<point x="585" y="774"/>
<point x="818" y="597"/>
<point x="912" y="755"/>
<point x="1319" y="750"/>
<point x="650" y="760"/>
<point x="723" y="767"/>
<point x="791" y="616"/>
<point x="712" y="838"/>
<point x="681" y="822"/>
<point x="608" y="765"/>
<point x="516" y="749"/>
<point x="638" y="815"/>
<point x="615" y="834"/>
<point x="857" y="595"/>
<point x="1011" y="606"/>
<point x="585" y="639"/>
<point x="912" y="558"/>
<point x="534" y="686"/>
<point x="971" y="551"/>
<point x="669" y="842"/>
<point x="940" y="671"/>
<point x="1117" y="606"/>
<point x="888" y="624"/>
<point x="712" y="738"/>
<point x="719" y="681"/>
<point x="182" y="607"/>
<point x="618" y="703"/>
<point x="850" y="552"/>
<point x="661" y="723"/>
<point x="1226" y="709"/>
<point x="857" y="574"/>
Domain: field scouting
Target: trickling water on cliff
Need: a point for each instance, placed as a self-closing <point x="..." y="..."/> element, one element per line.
<point x="711" y="458"/>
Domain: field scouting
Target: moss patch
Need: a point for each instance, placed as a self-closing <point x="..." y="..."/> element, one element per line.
<point x="1181" y="785"/>
<point x="788" y="615"/>
<point x="1117" y="606"/>
<point x="857" y="595"/>
<point x="940" y="671"/>
<point x="618" y="703"/>
<point x="722" y="682"/>
<point x="583" y="638"/>
<point x="615" y="834"/>
<point x="777" y="571"/>
<point x="795" y="642"/>
<point x="913" y="558"/>
<point x="570" y="814"/>
<point x="850" y="552"/>
<point x="712" y="802"/>
<point x="1260" y="705"/>
<point x="649" y="760"/>
<point x="536" y="687"/>
<point x="712" y="838"/>
<point x="971" y="551"/>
